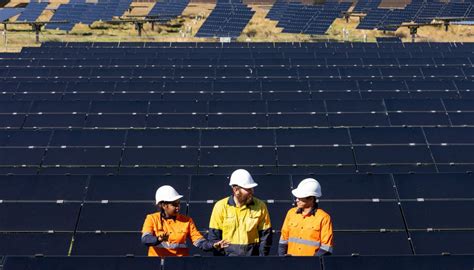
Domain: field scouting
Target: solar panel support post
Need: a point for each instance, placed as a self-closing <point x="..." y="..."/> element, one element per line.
<point x="139" y="27"/>
<point x="413" y="32"/>
<point x="37" y="28"/>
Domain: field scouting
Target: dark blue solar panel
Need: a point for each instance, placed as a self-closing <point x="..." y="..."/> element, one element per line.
<point x="39" y="216"/>
<point x="73" y="263"/>
<point x="113" y="244"/>
<point x="395" y="262"/>
<point x="48" y="244"/>
<point x="376" y="243"/>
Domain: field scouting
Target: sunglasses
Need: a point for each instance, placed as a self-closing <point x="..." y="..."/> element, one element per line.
<point x="175" y="203"/>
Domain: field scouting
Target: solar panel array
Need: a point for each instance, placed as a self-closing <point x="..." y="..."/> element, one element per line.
<point x="417" y="11"/>
<point x="87" y="13"/>
<point x="227" y="19"/>
<point x="167" y="10"/>
<point x="90" y="130"/>
<point x="296" y="17"/>
<point x="32" y="11"/>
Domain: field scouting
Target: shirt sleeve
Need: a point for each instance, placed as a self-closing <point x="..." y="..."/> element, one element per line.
<point x="265" y="232"/>
<point x="327" y="238"/>
<point x="283" y="242"/>
<point x="194" y="234"/>
<point x="148" y="228"/>
<point x="215" y="223"/>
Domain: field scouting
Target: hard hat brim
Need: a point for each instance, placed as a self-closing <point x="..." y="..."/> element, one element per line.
<point x="246" y="186"/>
<point x="171" y="199"/>
<point x="302" y="194"/>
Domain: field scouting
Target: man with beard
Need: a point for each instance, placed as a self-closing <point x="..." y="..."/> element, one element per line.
<point x="241" y="220"/>
<point x="307" y="230"/>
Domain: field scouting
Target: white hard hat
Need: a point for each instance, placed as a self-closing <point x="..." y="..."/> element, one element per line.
<point x="242" y="178"/>
<point x="307" y="188"/>
<point x="166" y="194"/>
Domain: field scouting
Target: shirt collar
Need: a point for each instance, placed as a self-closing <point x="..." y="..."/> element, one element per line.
<point x="163" y="216"/>
<point x="311" y="213"/>
<point x="231" y="201"/>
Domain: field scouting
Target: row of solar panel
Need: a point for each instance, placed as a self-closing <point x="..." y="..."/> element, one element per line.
<point x="401" y="49"/>
<point x="256" y="72"/>
<point x="292" y="61"/>
<point x="346" y="216"/>
<point x="421" y="47"/>
<point x="266" y="263"/>
<point x="424" y="187"/>
<point x="281" y="159"/>
<point x="230" y="95"/>
<point x="87" y="13"/>
<point x="260" y="46"/>
<point x="419" y="12"/>
<point x="238" y="137"/>
<point x="371" y="106"/>
<point x="291" y="86"/>
<point x="120" y="244"/>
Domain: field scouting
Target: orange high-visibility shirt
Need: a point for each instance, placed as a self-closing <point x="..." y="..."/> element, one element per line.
<point x="178" y="229"/>
<point x="306" y="234"/>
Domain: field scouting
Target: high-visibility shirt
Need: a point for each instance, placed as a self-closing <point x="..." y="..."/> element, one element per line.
<point x="306" y="234"/>
<point x="179" y="229"/>
<point x="247" y="228"/>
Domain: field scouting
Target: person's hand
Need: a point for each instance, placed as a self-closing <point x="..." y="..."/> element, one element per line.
<point x="163" y="237"/>
<point x="221" y="244"/>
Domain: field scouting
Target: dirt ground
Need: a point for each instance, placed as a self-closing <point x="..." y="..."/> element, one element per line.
<point x="184" y="28"/>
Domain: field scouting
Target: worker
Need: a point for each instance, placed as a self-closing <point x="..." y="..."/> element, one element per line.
<point x="165" y="231"/>
<point x="307" y="230"/>
<point x="241" y="219"/>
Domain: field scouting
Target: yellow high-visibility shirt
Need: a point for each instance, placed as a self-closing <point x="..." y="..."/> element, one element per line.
<point x="244" y="227"/>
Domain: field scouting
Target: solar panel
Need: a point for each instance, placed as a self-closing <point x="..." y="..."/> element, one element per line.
<point x="442" y="242"/>
<point x="159" y="157"/>
<point x="237" y="120"/>
<point x="93" y="263"/>
<point x="423" y="186"/>
<point x="34" y="243"/>
<point x="419" y="215"/>
<point x="96" y="216"/>
<point x="32" y="11"/>
<point x="449" y="135"/>
<point x="376" y="243"/>
<point x="7" y="13"/>
<point x="50" y="188"/>
<point x="377" y="215"/>
<point x="55" y="121"/>
<point x="143" y="187"/>
<point x="88" y="138"/>
<point x="110" y="244"/>
<point x="167" y="138"/>
<point x="38" y="216"/>
<point x="21" y="138"/>
<point x="241" y="156"/>
<point x="353" y="187"/>
<point x="266" y="262"/>
<point x="304" y="156"/>
<point x="237" y="137"/>
<point x="176" y="120"/>
<point x="312" y="137"/>
<point x="21" y="156"/>
<point x="394" y="262"/>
